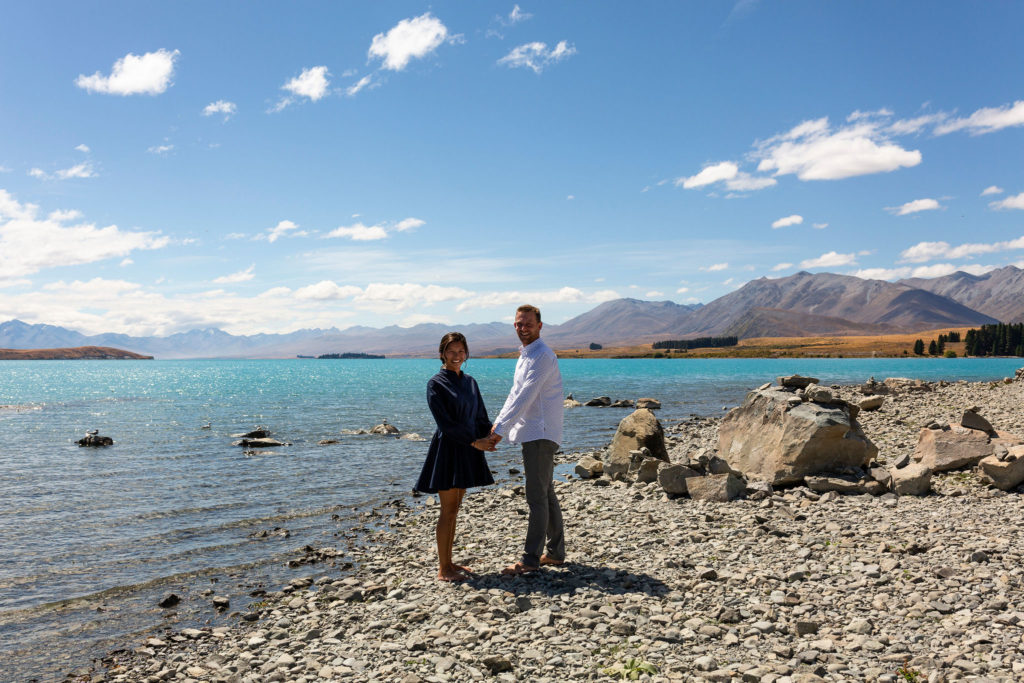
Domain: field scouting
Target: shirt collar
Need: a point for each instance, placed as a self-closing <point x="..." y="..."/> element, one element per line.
<point x="531" y="348"/>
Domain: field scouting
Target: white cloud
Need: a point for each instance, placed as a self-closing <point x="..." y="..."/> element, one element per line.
<point x="820" y="226"/>
<point x="795" y="219"/>
<point x="61" y="216"/>
<point x="160" y="149"/>
<point x="927" y="251"/>
<point x="326" y="290"/>
<point x="916" y="124"/>
<point x="914" y="207"/>
<point x="537" y="298"/>
<point x="715" y="267"/>
<point x="781" y="266"/>
<point x="409" y="39"/>
<point x="986" y="120"/>
<point x="149" y="74"/>
<point x="363" y="82"/>
<point x="830" y="260"/>
<point x="359" y="232"/>
<point x="744" y="182"/>
<point x="882" y="273"/>
<point x="709" y="174"/>
<point x="409" y="224"/>
<point x="1014" y="202"/>
<point x="82" y="170"/>
<point x="940" y="269"/>
<point x="536" y="56"/>
<point x="311" y="83"/>
<point x="4" y="169"/>
<point x="682" y="290"/>
<point x="228" y="109"/>
<point x="83" y="149"/>
<point x="992" y="189"/>
<point x="282" y="229"/>
<point x="240" y="276"/>
<point x="813" y="151"/>
<point x="388" y="297"/>
<point x="126" y="262"/>
<point x="516" y="15"/>
<point x="235" y="236"/>
<point x="654" y="294"/>
<point x="29" y="244"/>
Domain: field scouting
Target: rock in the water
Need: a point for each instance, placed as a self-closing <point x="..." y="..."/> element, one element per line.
<point x="913" y="480"/>
<point x="600" y="401"/>
<point x="1004" y="474"/>
<point x="953" y="448"/>
<point x="971" y="420"/>
<point x="170" y="600"/>
<point x="622" y="403"/>
<point x="797" y="382"/>
<point x="384" y="428"/>
<point x="589" y="467"/>
<point x="672" y="478"/>
<point x="95" y="440"/>
<point x="715" y="487"/>
<point x="638" y="430"/>
<point x="649" y="403"/>
<point x="871" y="402"/>
<point x="259" y="443"/>
<point x="571" y="402"/>
<point x="259" y="432"/>
<point x="770" y="438"/>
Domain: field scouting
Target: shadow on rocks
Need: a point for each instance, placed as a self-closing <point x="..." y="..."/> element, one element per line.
<point x="566" y="578"/>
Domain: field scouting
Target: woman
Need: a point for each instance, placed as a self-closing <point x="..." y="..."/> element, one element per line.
<point x="455" y="460"/>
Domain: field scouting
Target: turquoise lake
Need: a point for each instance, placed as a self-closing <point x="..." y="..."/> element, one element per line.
<point x="174" y="504"/>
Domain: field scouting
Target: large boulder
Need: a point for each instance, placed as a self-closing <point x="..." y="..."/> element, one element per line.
<point x="672" y="478"/>
<point x="972" y="420"/>
<point x="951" y="448"/>
<point x="636" y="431"/>
<point x="589" y="467"/>
<point x="776" y="437"/>
<point x="913" y="480"/>
<point x="1007" y="473"/>
<point x="719" y="488"/>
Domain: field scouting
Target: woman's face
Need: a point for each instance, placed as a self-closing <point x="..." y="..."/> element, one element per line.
<point x="455" y="355"/>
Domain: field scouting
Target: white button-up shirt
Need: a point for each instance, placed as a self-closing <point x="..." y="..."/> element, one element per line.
<point x="533" y="409"/>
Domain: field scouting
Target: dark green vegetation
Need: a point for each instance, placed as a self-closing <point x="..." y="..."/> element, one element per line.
<point x="698" y="343"/>
<point x="995" y="340"/>
<point x="343" y="356"/>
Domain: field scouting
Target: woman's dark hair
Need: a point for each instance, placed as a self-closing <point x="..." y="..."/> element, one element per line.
<point x="449" y="339"/>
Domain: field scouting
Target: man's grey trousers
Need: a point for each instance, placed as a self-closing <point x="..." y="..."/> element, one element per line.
<point x="545" y="513"/>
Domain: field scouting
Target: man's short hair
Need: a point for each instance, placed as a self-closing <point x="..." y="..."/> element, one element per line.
<point x="527" y="308"/>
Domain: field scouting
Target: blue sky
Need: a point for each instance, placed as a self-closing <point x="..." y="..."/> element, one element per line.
<point x="270" y="166"/>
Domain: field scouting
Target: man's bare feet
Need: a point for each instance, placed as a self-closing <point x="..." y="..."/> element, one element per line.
<point x="518" y="568"/>
<point x="450" y="575"/>
<point x="544" y="559"/>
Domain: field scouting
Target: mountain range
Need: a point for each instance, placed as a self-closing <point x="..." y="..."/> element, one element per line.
<point x="803" y="304"/>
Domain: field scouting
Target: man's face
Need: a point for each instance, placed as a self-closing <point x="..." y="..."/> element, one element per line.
<point x="527" y="327"/>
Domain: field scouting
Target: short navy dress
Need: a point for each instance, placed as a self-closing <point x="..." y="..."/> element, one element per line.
<point x="452" y="463"/>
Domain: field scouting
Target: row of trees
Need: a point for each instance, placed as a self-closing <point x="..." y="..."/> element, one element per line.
<point x="698" y="343"/>
<point x="1003" y="339"/>
<point x="937" y="347"/>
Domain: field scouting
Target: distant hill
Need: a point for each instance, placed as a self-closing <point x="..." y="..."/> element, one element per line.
<point x="803" y="304"/>
<point x="75" y="353"/>
<point x="998" y="293"/>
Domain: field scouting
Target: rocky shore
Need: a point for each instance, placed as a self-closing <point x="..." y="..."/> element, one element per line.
<point x="797" y="586"/>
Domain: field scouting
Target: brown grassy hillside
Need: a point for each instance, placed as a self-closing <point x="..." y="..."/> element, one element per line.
<point x="76" y="353"/>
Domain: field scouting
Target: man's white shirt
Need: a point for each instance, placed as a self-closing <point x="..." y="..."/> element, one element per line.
<point x="533" y="409"/>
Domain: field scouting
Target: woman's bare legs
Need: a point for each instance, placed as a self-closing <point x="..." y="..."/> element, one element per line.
<point x="450" y="501"/>
<point x="458" y="567"/>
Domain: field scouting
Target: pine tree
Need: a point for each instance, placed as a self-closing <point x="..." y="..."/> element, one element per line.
<point x="933" y="348"/>
<point x="918" y="347"/>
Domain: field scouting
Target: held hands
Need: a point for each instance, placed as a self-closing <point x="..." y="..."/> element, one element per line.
<point x="487" y="443"/>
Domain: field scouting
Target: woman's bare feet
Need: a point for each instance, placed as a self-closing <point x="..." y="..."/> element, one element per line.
<point x="450" y="575"/>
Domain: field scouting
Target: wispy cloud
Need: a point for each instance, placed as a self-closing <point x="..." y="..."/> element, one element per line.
<point x="29" y="244"/>
<point x="84" y="149"/>
<point x="986" y="120"/>
<point x="728" y="173"/>
<point x="915" y="206"/>
<point x="795" y="219"/>
<point x="714" y="267"/>
<point x="781" y="266"/>
<point x="149" y="74"/>
<point x="228" y="109"/>
<point x="537" y="297"/>
<point x="82" y="170"/>
<point x="409" y="39"/>
<point x="240" y="276"/>
<point x="1014" y="202"/>
<point x="929" y="251"/>
<point x="284" y="228"/>
<point x="363" y="83"/>
<point x="830" y="259"/>
<point x="160" y="150"/>
<point x="365" y="233"/>
<point x="311" y="84"/>
<point x="537" y="56"/>
<point x="992" y="189"/>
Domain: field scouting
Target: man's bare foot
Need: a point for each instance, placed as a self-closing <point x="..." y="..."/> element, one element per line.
<point x="518" y="568"/>
<point x="450" y="575"/>
<point x="544" y="559"/>
<point x="463" y="569"/>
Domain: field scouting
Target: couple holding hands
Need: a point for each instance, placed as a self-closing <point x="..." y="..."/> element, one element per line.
<point x="531" y="416"/>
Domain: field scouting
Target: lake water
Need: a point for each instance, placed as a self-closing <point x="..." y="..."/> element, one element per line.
<point x="172" y="504"/>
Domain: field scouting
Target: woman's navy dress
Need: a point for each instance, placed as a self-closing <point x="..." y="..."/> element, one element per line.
<point x="458" y="409"/>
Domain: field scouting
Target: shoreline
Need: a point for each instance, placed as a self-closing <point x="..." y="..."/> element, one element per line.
<point x="646" y="558"/>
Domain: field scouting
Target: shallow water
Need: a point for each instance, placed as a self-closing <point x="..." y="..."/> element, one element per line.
<point x="172" y="503"/>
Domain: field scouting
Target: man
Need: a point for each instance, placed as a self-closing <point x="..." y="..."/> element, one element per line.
<point x="532" y="416"/>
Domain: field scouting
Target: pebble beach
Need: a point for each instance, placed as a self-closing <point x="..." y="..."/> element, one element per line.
<point x="800" y="586"/>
